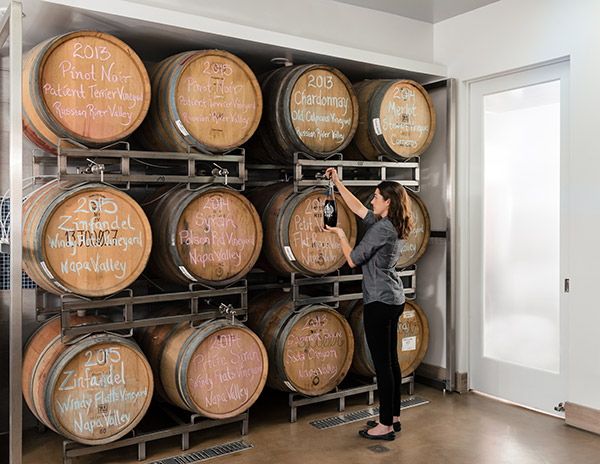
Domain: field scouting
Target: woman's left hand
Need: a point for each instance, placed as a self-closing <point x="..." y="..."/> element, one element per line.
<point x="335" y="230"/>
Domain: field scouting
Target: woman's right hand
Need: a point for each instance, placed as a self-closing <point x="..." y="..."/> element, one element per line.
<point x="331" y="173"/>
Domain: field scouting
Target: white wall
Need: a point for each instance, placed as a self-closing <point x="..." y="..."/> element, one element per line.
<point x="517" y="33"/>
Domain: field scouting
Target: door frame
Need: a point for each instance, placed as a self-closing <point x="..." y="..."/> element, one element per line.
<point x="471" y="223"/>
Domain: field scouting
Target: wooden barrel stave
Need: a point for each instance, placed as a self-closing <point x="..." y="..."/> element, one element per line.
<point x="295" y="365"/>
<point x="413" y="338"/>
<point x="169" y="127"/>
<point x="43" y="241"/>
<point x="55" y="375"/>
<point x="114" y="118"/>
<point x="192" y="372"/>
<point x="236" y="233"/>
<point x="378" y="108"/>
<point x="292" y="223"/>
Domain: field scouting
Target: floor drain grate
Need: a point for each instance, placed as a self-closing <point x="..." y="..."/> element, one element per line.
<point x="378" y="449"/>
<point x="205" y="454"/>
<point x="363" y="414"/>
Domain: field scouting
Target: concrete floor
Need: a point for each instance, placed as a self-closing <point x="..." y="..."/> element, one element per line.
<point x="451" y="429"/>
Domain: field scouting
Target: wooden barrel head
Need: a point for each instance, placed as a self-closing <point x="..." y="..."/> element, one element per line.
<point x="85" y="85"/>
<point x="213" y="236"/>
<point x="219" y="236"/>
<point x="100" y="390"/>
<point x="406" y="119"/>
<point x="227" y="372"/>
<point x="218" y="99"/>
<point x="92" y="240"/>
<point x="396" y="119"/>
<point x="310" y="349"/>
<point x="322" y="109"/>
<point x="316" y="349"/>
<point x="308" y="108"/>
<point x="308" y="248"/>
<point x="209" y="99"/>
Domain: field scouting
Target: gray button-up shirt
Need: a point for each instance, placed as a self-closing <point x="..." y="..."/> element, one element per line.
<point x="378" y="253"/>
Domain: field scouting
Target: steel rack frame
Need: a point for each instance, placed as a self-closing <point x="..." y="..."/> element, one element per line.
<point x="69" y="303"/>
<point x="183" y="427"/>
<point x="296" y="400"/>
<point x="360" y="173"/>
<point x="114" y="166"/>
<point x="297" y="281"/>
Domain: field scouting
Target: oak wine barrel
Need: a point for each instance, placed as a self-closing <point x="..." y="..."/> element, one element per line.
<point x="93" y="391"/>
<point x="212" y="235"/>
<point x="294" y="240"/>
<point x="396" y="119"/>
<point x="413" y="338"/>
<point x="218" y="369"/>
<point x="209" y="99"/>
<point x="87" y="86"/>
<point x="310" y="350"/>
<point x="415" y="245"/>
<point x="88" y="239"/>
<point x="309" y="108"/>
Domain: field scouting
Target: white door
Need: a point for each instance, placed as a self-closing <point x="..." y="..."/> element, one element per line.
<point x="518" y="179"/>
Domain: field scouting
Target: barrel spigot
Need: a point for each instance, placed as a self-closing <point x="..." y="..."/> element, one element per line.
<point x="218" y="171"/>
<point x="94" y="168"/>
<point x="226" y="310"/>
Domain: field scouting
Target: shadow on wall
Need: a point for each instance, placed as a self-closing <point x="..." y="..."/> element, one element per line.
<point x="431" y="282"/>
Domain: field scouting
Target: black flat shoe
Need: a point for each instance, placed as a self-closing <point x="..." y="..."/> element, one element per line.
<point x="386" y="436"/>
<point x="397" y="425"/>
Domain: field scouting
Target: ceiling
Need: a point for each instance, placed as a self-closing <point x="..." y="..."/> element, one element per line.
<point x="431" y="11"/>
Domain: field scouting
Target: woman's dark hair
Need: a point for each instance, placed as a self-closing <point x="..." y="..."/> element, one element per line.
<point x="399" y="212"/>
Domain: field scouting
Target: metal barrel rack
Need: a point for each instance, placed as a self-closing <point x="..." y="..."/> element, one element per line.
<point x="124" y="167"/>
<point x="183" y="425"/>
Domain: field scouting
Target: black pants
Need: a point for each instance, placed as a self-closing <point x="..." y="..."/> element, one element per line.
<point x="381" y="329"/>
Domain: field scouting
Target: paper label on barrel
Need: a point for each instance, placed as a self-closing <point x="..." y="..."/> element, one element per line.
<point x="316" y="350"/>
<point x="322" y="110"/>
<point x="101" y="391"/>
<point x="217" y="100"/>
<point x="226" y="371"/>
<point x="409" y="344"/>
<point x="377" y="126"/>
<point x="289" y="254"/>
<point x="405" y="118"/>
<point x="96" y="240"/>
<point x="181" y="128"/>
<point x="218" y="235"/>
<point x="410" y="331"/>
<point x="94" y="88"/>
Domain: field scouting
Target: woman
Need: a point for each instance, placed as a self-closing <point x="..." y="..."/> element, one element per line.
<point x="383" y="295"/>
